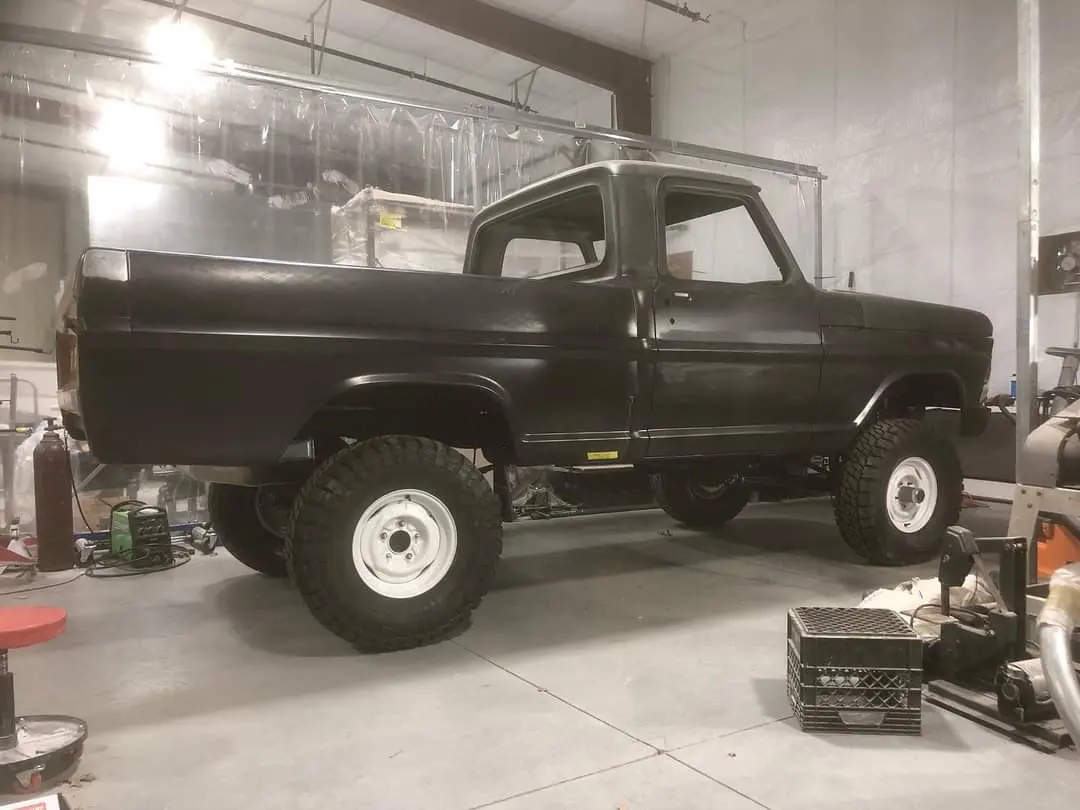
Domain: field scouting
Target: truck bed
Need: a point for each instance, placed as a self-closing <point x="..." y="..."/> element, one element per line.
<point x="202" y="360"/>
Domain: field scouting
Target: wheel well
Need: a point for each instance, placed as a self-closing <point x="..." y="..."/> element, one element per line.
<point x="461" y="416"/>
<point x="917" y="391"/>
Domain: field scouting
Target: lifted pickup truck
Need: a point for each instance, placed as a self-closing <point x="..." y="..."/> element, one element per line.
<point x="619" y="313"/>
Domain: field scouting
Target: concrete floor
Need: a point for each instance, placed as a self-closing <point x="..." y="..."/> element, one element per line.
<point x="620" y="662"/>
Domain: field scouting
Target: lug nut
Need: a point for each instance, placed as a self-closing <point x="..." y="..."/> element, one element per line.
<point x="408" y="556"/>
<point x="383" y="536"/>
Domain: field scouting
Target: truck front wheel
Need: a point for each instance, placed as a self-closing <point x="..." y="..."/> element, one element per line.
<point x="698" y="499"/>
<point x="248" y="523"/>
<point x="394" y="541"/>
<point x="900" y="488"/>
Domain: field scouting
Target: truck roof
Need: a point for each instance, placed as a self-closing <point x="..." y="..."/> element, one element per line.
<point x="542" y="188"/>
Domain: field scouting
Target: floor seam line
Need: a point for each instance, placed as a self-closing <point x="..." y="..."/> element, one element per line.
<point x="560" y="698"/>
<point x="711" y="778"/>
<point x="560" y="782"/>
<point x="731" y="733"/>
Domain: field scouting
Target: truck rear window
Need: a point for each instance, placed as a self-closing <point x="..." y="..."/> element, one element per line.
<point x="564" y="237"/>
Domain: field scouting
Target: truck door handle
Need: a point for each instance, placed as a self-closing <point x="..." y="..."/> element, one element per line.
<point x="682" y="295"/>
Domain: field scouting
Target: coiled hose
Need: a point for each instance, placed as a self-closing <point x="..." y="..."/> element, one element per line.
<point x="1058" y="618"/>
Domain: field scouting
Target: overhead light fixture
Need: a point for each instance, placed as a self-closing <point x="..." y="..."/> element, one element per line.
<point x="182" y="48"/>
<point x="130" y="135"/>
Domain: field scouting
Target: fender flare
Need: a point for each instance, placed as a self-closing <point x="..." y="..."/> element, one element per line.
<point x="444" y="378"/>
<point x="899" y="376"/>
<point x="450" y="379"/>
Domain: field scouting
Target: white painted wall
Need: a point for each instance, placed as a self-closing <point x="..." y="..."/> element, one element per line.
<point x="910" y="109"/>
<point x="35" y="390"/>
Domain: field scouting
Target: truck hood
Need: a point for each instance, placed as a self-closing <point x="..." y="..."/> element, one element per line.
<point x="863" y="311"/>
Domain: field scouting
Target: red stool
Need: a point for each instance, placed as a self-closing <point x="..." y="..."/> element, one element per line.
<point x="33" y="749"/>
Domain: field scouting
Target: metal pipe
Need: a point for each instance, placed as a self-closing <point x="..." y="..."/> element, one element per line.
<point x="681" y="9"/>
<point x="1060" y="675"/>
<point x="63" y="40"/>
<point x="350" y="57"/>
<point x="11" y="440"/>
<point x="1027" y="248"/>
<point x="1056" y="623"/>
<point x="819" y="248"/>
<point x="13" y="404"/>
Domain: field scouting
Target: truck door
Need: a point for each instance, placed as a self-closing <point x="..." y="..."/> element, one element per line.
<point x="737" y="338"/>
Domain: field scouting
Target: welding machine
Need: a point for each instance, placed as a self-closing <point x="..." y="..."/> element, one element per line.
<point x="140" y="532"/>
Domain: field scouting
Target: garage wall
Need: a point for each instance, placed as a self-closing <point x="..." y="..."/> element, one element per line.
<point x="911" y="110"/>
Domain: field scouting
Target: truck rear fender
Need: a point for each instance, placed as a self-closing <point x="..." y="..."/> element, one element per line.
<point x="462" y="410"/>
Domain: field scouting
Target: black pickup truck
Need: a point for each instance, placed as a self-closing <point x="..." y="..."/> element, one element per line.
<point x="619" y="313"/>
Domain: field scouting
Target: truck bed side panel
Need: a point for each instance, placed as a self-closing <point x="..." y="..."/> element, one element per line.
<point x="226" y="360"/>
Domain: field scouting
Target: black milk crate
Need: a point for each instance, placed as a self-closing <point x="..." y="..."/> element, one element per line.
<point x="855" y="670"/>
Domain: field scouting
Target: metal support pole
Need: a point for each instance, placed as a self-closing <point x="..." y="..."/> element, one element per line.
<point x="9" y="732"/>
<point x="10" y="441"/>
<point x="478" y="200"/>
<point x="819" y="232"/>
<point x="1027" y="301"/>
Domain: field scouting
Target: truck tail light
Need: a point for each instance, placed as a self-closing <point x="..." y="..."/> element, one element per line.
<point x="67" y="371"/>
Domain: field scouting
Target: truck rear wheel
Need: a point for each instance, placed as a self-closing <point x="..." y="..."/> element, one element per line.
<point x="394" y="542"/>
<point x="900" y="489"/>
<point x="247" y="528"/>
<point x="698" y="500"/>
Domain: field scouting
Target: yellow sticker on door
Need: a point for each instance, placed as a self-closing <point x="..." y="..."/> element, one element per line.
<point x="602" y="455"/>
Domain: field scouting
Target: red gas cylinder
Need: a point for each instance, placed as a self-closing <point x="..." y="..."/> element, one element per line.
<point x="52" y="503"/>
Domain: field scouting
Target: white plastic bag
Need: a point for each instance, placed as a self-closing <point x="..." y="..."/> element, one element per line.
<point x="24" y="479"/>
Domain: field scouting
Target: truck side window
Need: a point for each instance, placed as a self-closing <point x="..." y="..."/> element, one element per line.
<point x="564" y="237"/>
<point x="714" y="238"/>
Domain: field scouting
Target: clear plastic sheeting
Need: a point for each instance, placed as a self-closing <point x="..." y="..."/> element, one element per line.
<point x="24" y="507"/>
<point x="381" y="229"/>
<point x="105" y="151"/>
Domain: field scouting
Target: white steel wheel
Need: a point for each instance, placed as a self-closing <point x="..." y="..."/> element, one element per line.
<point x="404" y="543"/>
<point x="911" y="495"/>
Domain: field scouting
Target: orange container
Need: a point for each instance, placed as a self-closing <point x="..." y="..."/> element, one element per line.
<point x="1058" y="546"/>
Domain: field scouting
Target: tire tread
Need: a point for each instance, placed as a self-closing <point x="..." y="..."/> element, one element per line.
<point x="233" y="516"/>
<point x="671" y="495"/>
<point x="865" y="470"/>
<point x="307" y="551"/>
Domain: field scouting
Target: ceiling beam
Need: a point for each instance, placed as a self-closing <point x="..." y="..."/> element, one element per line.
<point x="621" y="73"/>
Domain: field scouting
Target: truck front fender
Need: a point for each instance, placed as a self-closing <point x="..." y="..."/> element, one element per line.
<point x="935" y="387"/>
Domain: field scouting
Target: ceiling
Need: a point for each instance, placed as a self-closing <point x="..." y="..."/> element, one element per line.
<point x="357" y="27"/>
